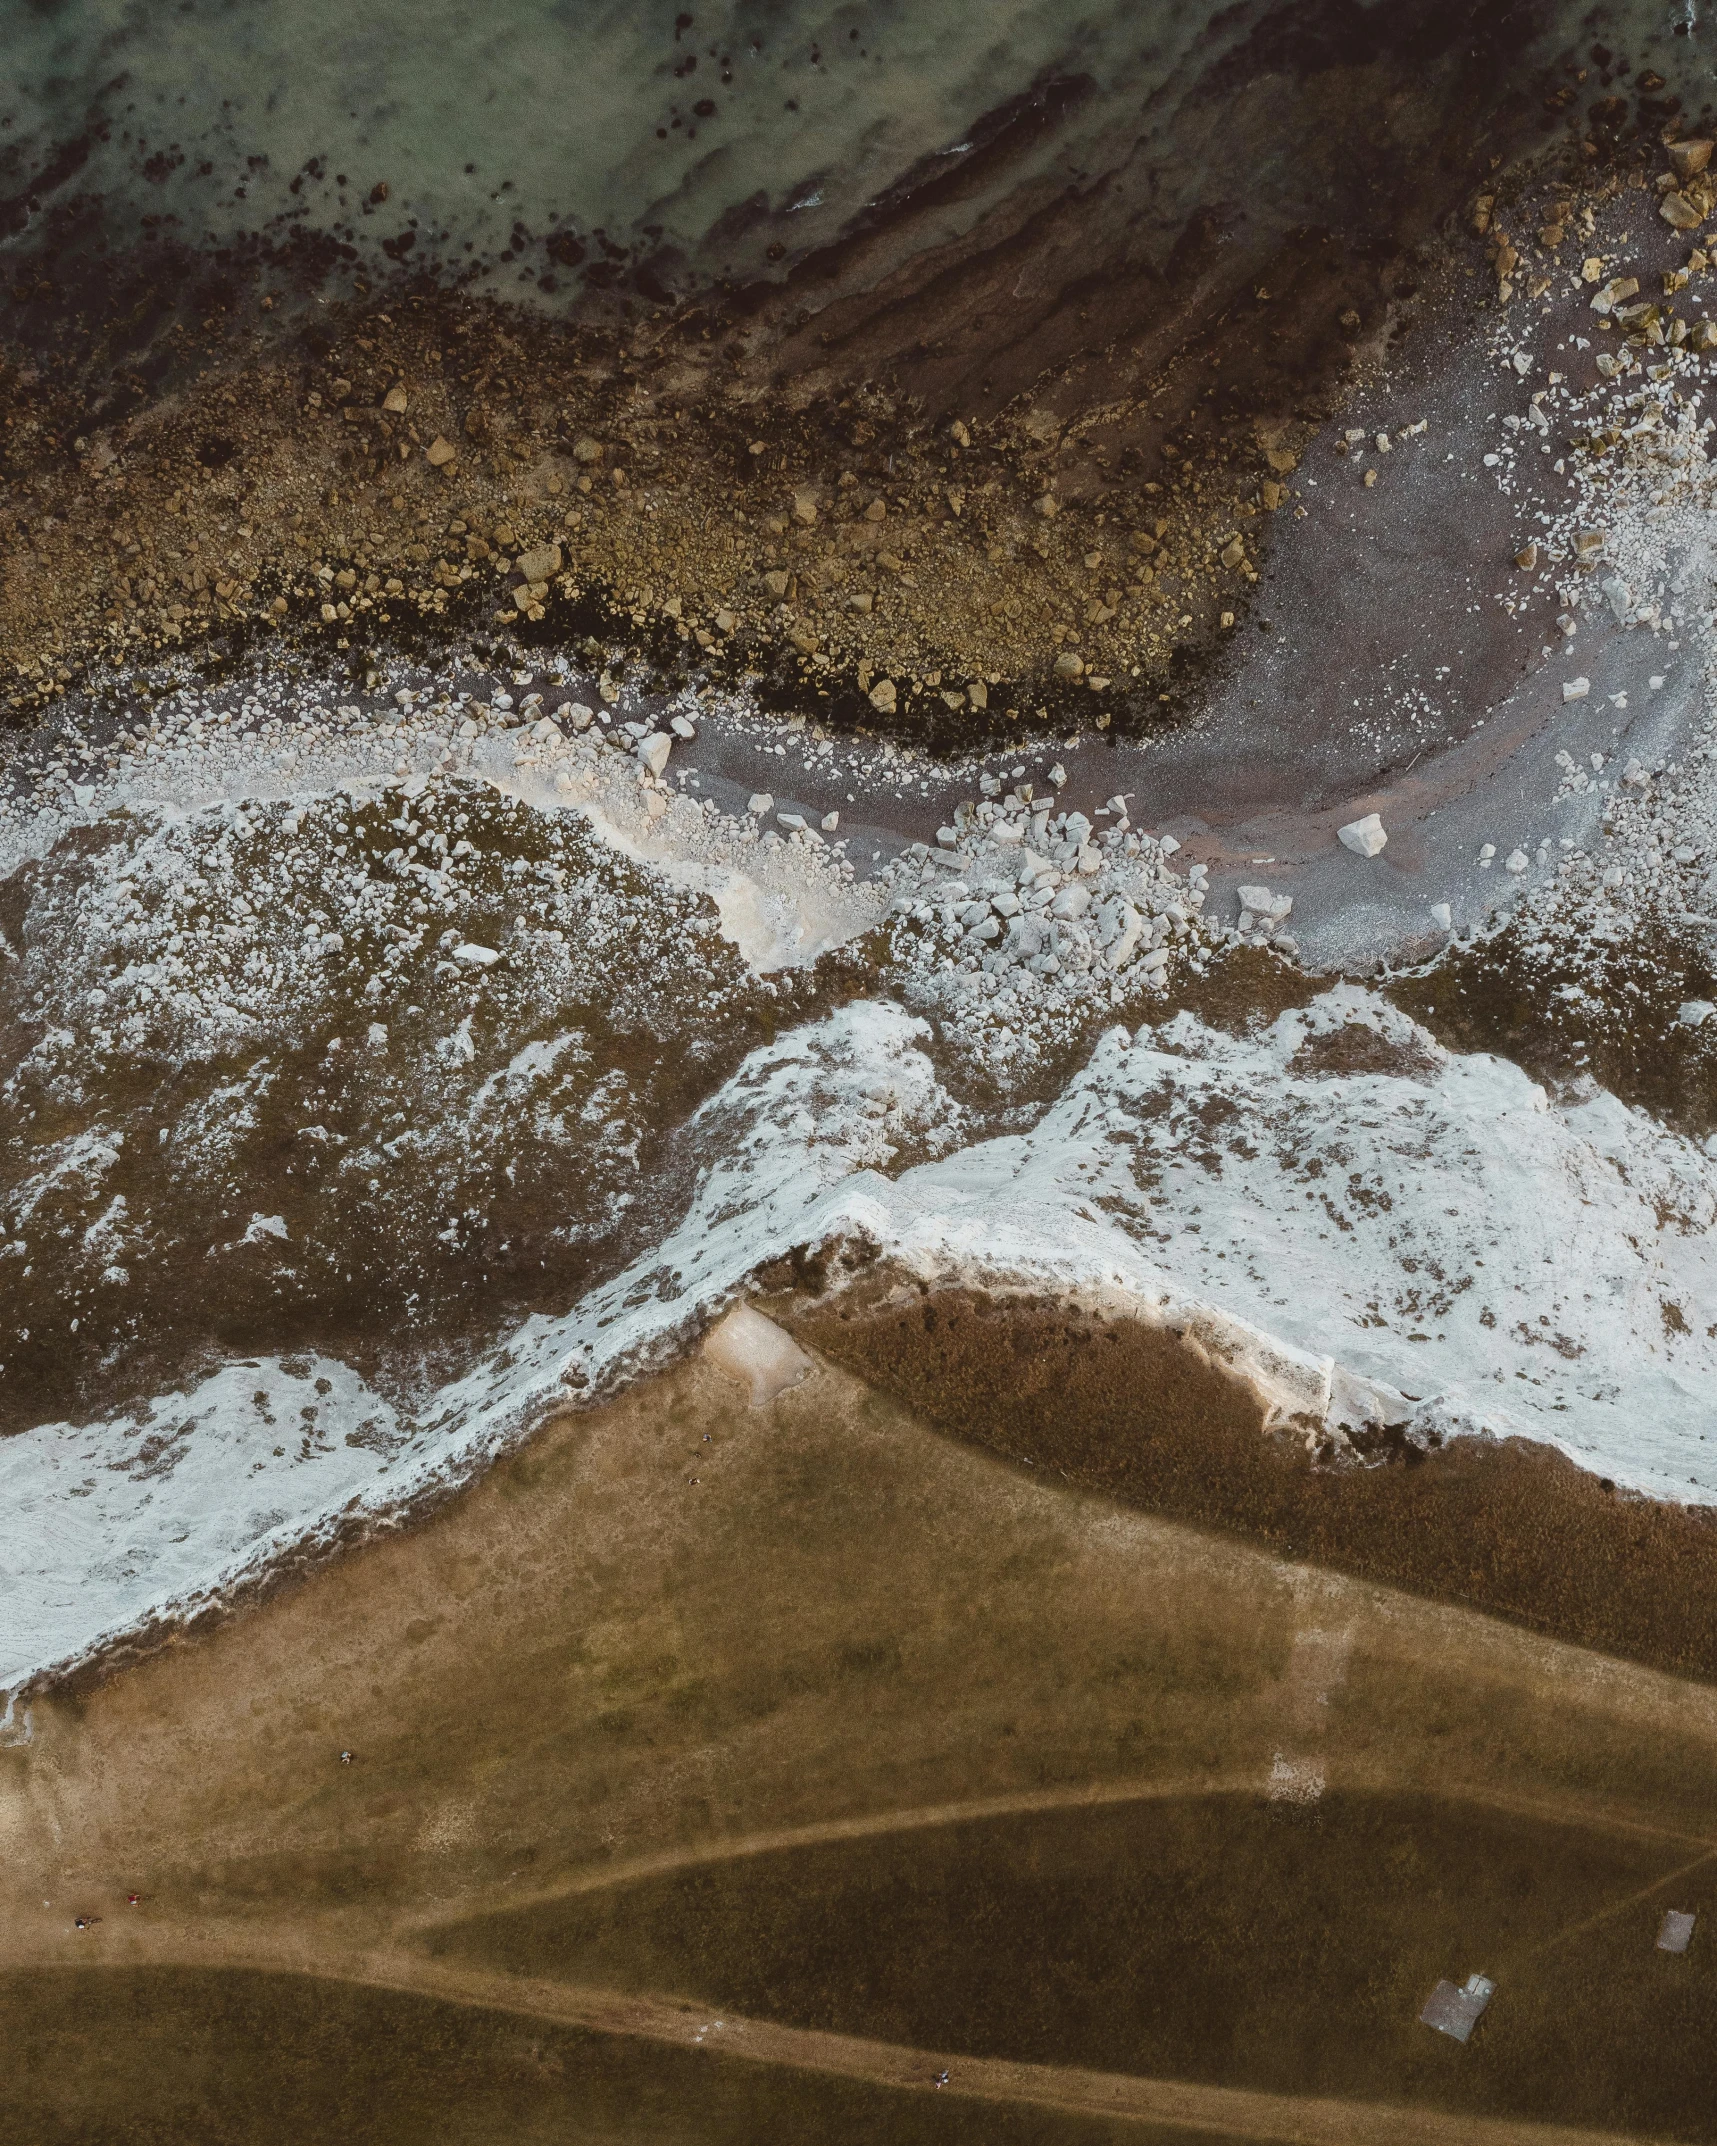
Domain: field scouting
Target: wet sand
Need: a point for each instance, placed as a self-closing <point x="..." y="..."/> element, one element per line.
<point x="677" y="1641"/>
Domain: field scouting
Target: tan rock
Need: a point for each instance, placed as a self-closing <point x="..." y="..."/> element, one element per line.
<point x="775" y="581"/>
<point x="978" y="694"/>
<point x="882" y="696"/>
<point x="440" y="452"/>
<point x="1048" y="507"/>
<point x="1689" y="157"/>
<point x="539" y="564"/>
<point x="1233" y="553"/>
<point x="804" y="508"/>
<point x="396" y="401"/>
<point x="1682" y="214"/>
<point x="1068" y="665"/>
<point x="877" y="511"/>
<point x="1527" y="558"/>
<point x="1614" y="292"/>
<point x="585" y="449"/>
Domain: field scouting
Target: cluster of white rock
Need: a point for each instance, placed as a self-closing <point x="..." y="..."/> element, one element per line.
<point x="1024" y="918"/>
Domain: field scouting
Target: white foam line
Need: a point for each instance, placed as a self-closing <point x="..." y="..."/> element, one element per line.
<point x="1465" y="1258"/>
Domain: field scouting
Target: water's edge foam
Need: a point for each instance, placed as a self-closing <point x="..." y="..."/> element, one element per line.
<point x="1468" y="1258"/>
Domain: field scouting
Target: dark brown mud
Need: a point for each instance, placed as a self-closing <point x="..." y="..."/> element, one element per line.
<point x="1510" y="1527"/>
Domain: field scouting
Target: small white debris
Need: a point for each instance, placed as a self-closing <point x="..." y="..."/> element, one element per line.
<point x="653" y="751"/>
<point x="478" y="957"/>
<point x="1655" y="683"/>
<point x="1364" y="837"/>
<point x="761" y="803"/>
<point x="1695" y="1012"/>
<point x="829" y="822"/>
<point x="1442" y="916"/>
<point x="682" y="726"/>
<point x="1516" y="861"/>
<point x="1575" y="689"/>
<point x="1675" y="1932"/>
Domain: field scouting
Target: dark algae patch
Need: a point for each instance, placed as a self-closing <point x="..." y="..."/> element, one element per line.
<point x="1218" y="1938"/>
<point x="1507" y="1526"/>
<point x="178" y="2057"/>
<point x="1612" y="1018"/>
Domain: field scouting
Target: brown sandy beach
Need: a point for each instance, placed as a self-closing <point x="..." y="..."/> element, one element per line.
<point x="690" y="1709"/>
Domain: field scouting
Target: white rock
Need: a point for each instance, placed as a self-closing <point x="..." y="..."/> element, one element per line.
<point x="1169" y="845"/>
<point x="479" y="957"/>
<point x="1575" y="689"/>
<point x="1515" y="861"/>
<point x="578" y="715"/>
<point x="1364" y="837"/>
<point x="1695" y="1012"/>
<point x="682" y="726"/>
<point x="1442" y="916"/>
<point x="653" y="751"/>
<point x="753" y="1350"/>
<point x="1123" y="948"/>
<point x="468" y="728"/>
<point x="829" y="822"/>
<point x="761" y="802"/>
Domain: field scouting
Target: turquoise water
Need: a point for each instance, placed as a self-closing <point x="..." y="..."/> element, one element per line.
<point x="546" y="145"/>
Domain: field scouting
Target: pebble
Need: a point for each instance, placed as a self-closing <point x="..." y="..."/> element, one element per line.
<point x="478" y="957"/>
<point x="760" y="803"/>
<point x="653" y="751"/>
<point x="1575" y="689"/>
